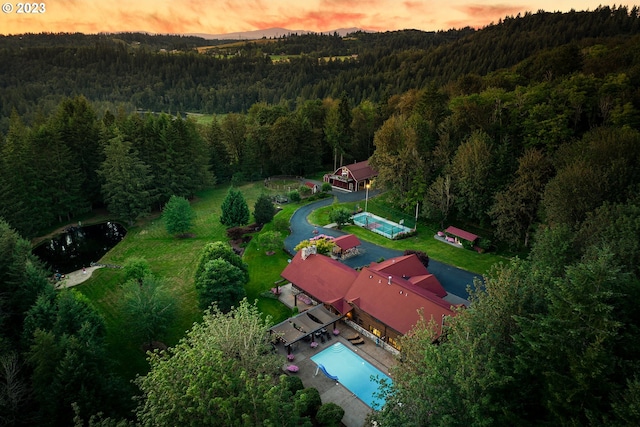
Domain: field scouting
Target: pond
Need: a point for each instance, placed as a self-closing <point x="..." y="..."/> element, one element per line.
<point x="79" y="246"/>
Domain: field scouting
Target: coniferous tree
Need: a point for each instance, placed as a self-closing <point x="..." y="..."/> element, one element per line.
<point x="178" y="216"/>
<point x="127" y="187"/>
<point x="234" y="209"/>
<point x="263" y="210"/>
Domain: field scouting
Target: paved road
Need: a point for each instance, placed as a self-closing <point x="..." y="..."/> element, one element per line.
<point x="453" y="279"/>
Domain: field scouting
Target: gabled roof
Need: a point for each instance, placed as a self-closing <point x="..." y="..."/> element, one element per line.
<point x="392" y="291"/>
<point x="465" y="235"/>
<point x="430" y="283"/>
<point x="403" y="266"/>
<point x="310" y="185"/>
<point x="322" y="277"/>
<point x="395" y="302"/>
<point x="347" y="241"/>
<point x="359" y="170"/>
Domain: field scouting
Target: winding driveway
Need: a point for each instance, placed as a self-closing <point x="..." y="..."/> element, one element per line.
<point x="453" y="279"/>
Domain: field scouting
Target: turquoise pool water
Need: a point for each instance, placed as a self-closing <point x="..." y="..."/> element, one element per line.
<point x="379" y="225"/>
<point x="353" y="372"/>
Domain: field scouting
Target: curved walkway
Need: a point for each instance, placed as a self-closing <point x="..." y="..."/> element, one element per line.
<point x="453" y="279"/>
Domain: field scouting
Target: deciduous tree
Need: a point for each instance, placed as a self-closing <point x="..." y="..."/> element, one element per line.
<point x="221" y="374"/>
<point x="217" y="250"/>
<point x="220" y="283"/>
<point x="147" y="308"/>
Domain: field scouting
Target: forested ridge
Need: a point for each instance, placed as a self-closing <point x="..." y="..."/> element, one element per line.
<point x="141" y="70"/>
<point x="528" y="130"/>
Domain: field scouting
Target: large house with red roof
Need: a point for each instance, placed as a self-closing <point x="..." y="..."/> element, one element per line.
<point x="384" y="298"/>
<point x="353" y="177"/>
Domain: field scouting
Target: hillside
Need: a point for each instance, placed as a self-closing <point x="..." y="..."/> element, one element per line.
<point x="165" y="73"/>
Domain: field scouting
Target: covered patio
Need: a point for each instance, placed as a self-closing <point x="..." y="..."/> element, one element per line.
<point x="312" y="323"/>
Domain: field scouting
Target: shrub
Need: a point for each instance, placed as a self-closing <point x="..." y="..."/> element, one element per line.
<point x="307" y="402"/>
<point x="304" y="191"/>
<point x="326" y="187"/>
<point x="281" y="225"/>
<point x="263" y="210"/>
<point x="294" y="196"/>
<point x="237" y="179"/>
<point x="329" y="415"/>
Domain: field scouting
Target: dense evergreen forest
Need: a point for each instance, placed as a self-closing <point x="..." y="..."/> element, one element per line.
<point x="528" y="129"/>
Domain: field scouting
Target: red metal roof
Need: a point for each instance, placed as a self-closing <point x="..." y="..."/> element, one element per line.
<point x="403" y="266"/>
<point x="396" y="304"/>
<point x="430" y="283"/>
<point x="347" y="241"/>
<point x="380" y="290"/>
<point x="323" y="278"/>
<point x="461" y="233"/>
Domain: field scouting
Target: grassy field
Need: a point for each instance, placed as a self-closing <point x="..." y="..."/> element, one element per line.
<point x="423" y="241"/>
<point x="175" y="260"/>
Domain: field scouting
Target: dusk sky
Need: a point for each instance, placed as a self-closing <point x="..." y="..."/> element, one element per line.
<point x="231" y="16"/>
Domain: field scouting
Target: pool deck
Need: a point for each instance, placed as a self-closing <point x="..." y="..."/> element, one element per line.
<point x="356" y="410"/>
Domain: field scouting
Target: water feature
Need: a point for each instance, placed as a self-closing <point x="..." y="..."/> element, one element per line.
<point x="353" y="372"/>
<point x="79" y="246"/>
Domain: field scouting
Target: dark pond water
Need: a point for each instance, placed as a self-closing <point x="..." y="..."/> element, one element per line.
<point x="79" y="246"/>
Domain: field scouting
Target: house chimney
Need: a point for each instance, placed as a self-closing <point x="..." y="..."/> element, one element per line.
<point x="389" y="282"/>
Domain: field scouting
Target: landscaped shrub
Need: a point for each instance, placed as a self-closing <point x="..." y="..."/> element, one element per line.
<point x="281" y="225"/>
<point x="238" y="179"/>
<point x="294" y="196"/>
<point x="304" y="191"/>
<point x="236" y="233"/>
<point x="293" y="384"/>
<point x="307" y="402"/>
<point x="329" y="415"/>
<point x="340" y="216"/>
<point x="326" y="187"/>
<point x="404" y="234"/>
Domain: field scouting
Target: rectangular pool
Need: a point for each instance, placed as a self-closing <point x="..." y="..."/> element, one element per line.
<point x="379" y="225"/>
<point x="353" y="372"/>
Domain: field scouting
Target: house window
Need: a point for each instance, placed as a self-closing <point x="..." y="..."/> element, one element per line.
<point x="375" y="331"/>
<point x="394" y="343"/>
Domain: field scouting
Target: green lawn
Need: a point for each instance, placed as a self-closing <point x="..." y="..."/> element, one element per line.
<point x="175" y="260"/>
<point x="423" y="241"/>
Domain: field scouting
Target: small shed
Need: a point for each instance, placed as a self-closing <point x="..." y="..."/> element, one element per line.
<point x="459" y="234"/>
<point x="314" y="187"/>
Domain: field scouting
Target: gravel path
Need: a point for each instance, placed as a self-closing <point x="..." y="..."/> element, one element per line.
<point x="76" y="277"/>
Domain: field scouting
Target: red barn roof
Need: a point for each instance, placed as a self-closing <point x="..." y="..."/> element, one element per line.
<point x="361" y="170"/>
<point x="465" y="235"/>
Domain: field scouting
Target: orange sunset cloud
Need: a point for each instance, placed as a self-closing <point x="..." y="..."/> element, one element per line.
<point x="226" y="16"/>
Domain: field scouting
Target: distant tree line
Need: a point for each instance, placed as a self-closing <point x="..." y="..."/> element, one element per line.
<point x="167" y="74"/>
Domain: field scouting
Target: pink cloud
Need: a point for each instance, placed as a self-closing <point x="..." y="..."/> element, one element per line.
<point x="481" y="15"/>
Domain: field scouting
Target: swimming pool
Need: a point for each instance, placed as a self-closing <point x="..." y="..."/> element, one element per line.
<point x="382" y="226"/>
<point x="353" y="372"/>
